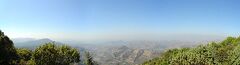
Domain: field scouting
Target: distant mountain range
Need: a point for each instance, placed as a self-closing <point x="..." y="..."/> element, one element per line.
<point x="30" y="42"/>
<point x="117" y="52"/>
<point x="133" y="52"/>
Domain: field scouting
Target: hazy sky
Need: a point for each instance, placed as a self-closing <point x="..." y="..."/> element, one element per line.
<point x="107" y="19"/>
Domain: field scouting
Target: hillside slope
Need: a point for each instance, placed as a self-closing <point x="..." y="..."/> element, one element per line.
<point x="226" y="52"/>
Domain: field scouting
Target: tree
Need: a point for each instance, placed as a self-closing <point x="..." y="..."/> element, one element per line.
<point x="88" y="59"/>
<point x="24" y="53"/>
<point x="221" y="53"/>
<point x="51" y="54"/>
<point x="24" y="56"/>
<point x="235" y="56"/>
<point x="47" y="54"/>
<point x="8" y="54"/>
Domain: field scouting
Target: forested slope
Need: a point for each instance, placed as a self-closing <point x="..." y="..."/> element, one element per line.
<point x="226" y="52"/>
<point x="45" y="54"/>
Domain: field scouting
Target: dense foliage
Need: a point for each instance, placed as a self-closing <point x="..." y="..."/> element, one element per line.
<point x="47" y="54"/>
<point x="8" y="55"/>
<point x="24" y="56"/>
<point x="50" y="54"/>
<point x="89" y="59"/>
<point x="226" y="52"/>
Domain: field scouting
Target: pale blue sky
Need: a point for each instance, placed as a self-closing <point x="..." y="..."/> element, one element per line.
<point x="95" y="19"/>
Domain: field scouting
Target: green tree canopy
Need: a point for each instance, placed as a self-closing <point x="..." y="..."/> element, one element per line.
<point x="7" y="50"/>
<point x="51" y="54"/>
<point x="24" y="56"/>
<point x="47" y="54"/>
<point x="88" y="60"/>
<point x="226" y="52"/>
<point x="24" y="53"/>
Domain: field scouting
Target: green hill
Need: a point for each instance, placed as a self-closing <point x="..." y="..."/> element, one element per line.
<point x="226" y="52"/>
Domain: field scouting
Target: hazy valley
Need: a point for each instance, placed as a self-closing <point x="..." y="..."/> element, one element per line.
<point x="119" y="52"/>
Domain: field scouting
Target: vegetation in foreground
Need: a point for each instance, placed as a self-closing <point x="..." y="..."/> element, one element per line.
<point x="47" y="54"/>
<point x="226" y="52"/>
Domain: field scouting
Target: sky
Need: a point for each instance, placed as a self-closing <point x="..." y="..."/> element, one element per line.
<point x="118" y="19"/>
